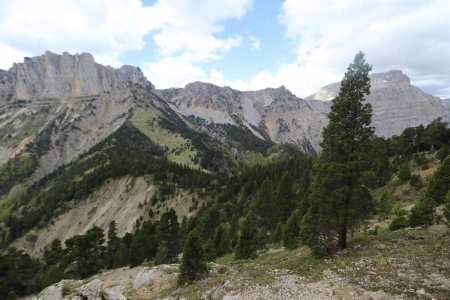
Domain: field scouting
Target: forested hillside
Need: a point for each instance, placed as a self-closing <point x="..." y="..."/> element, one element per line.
<point x="253" y="205"/>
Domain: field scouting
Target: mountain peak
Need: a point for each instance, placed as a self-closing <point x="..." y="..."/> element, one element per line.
<point x="392" y="76"/>
<point x="64" y="76"/>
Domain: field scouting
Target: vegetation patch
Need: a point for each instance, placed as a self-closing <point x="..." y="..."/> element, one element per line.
<point x="177" y="148"/>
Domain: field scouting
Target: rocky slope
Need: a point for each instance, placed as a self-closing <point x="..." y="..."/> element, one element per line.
<point x="396" y="103"/>
<point x="373" y="267"/>
<point x="280" y="116"/>
<point x="273" y="114"/>
<point x="63" y="105"/>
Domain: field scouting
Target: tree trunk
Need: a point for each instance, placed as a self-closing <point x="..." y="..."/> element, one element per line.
<point x="342" y="241"/>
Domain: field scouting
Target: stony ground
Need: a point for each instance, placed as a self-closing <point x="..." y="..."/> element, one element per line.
<point x="406" y="264"/>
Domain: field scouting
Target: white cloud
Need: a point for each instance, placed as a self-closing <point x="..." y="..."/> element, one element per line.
<point x="190" y="35"/>
<point x="106" y="28"/>
<point x="10" y="55"/>
<point x="255" y="42"/>
<point x="413" y="36"/>
<point x="184" y="32"/>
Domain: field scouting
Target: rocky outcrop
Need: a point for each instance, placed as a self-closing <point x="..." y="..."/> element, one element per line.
<point x="94" y="290"/>
<point x="59" y="106"/>
<point x="72" y="289"/>
<point x="396" y="103"/>
<point x="280" y="116"/>
<point x="274" y="114"/>
<point x="53" y="76"/>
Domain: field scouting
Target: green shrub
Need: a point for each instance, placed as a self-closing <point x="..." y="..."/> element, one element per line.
<point x="422" y="213"/>
<point x="385" y="204"/>
<point x="416" y="181"/>
<point x="404" y="173"/>
<point x="398" y="223"/>
<point x="399" y="211"/>
<point x="447" y="208"/>
<point x="443" y="152"/>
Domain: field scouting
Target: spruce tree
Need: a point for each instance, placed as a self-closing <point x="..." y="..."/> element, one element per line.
<point x="338" y="199"/>
<point x="193" y="263"/>
<point x="247" y="242"/>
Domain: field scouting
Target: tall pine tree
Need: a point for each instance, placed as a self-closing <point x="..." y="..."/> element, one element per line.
<point x="193" y="263"/>
<point x="113" y="244"/>
<point x="338" y="199"/>
<point x="247" y="242"/>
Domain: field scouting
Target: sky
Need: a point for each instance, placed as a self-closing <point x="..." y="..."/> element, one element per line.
<point x="245" y="44"/>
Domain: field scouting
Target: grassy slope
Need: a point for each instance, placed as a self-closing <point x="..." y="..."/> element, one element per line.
<point x="178" y="149"/>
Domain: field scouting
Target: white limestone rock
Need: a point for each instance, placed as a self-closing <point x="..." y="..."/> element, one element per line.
<point x="71" y="99"/>
<point x="94" y="290"/>
<point x="274" y="114"/>
<point x="396" y="103"/>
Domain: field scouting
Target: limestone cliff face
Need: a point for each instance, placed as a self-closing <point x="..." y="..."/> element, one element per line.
<point x="396" y="103"/>
<point x="282" y="117"/>
<point x="53" y="76"/>
<point x="64" y="105"/>
<point x="274" y="114"/>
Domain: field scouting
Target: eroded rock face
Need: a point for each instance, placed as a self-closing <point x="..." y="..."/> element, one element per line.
<point x="274" y="114"/>
<point x="64" y="105"/>
<point x="282" y="117"/>
<point x="53" y="76"/>
<point x="396" y="103"/>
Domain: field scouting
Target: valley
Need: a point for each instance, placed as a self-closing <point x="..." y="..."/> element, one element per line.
<point x="104" y="179"/>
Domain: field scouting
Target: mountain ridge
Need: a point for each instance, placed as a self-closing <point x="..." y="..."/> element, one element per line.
<point x="67" y="104"/>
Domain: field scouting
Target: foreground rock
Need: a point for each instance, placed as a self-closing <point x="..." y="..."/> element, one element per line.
<point x="71" y="289"/>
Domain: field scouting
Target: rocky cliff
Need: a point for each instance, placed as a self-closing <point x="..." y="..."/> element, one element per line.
<point x="59" y="106"/>
<point x="396" y="103"/>
<point x="280" y="116"/>
<point x="274" y="114"/>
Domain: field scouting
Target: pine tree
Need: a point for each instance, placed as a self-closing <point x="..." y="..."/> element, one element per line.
<point x="277" y="235"/>
<point x="404" y="174"/>
<point x="264" y="207"/>
<point x="440" y="183"/>
<point x="284" y="198"/>
<point x="291" y="230"/>
<point x="113" y="244"/>
<point x="193" y="263"/>
<point x="422" y="213"/>
<point x="222" y="239"/>
<point x="169" y="237"/>
<point x="248" y="238"/>
<point x="338" y="199"/>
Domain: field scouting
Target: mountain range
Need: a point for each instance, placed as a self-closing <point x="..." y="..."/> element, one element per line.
<point x="75" y="103"/>
<point x="62" y="110"/>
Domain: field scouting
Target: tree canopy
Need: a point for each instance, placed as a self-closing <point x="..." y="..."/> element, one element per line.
<point x="338" y="198"/>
